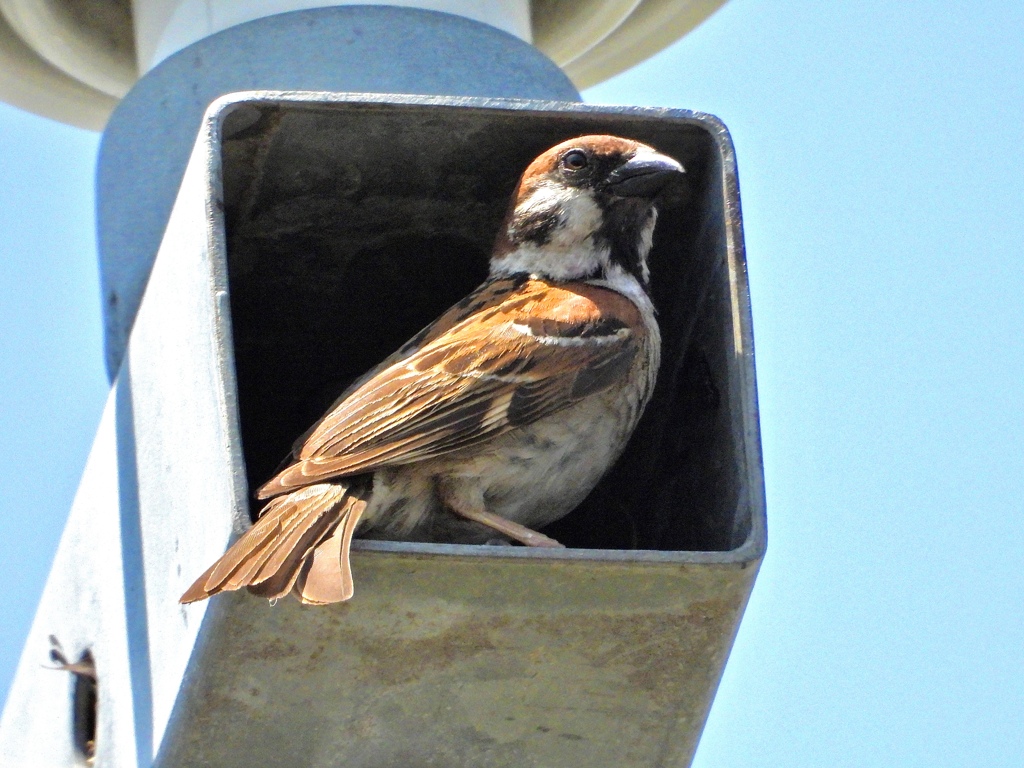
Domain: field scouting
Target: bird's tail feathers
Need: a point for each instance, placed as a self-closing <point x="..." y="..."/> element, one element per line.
<point x="300" y="542"/>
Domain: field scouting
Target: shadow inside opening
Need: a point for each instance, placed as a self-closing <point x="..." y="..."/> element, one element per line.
<point x="349" y="228"/>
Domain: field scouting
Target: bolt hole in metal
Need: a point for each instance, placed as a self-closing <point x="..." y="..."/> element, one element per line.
<point x="84" y="699"/>
<point x="84" y="710"/>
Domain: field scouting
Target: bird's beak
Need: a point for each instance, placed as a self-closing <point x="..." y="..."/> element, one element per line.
<point x="644" y="175"/>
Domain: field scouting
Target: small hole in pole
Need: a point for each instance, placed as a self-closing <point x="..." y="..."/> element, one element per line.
<point x="84" y="704"/>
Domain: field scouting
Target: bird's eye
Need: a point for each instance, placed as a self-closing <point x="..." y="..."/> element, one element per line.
<point x="575" y="160"/>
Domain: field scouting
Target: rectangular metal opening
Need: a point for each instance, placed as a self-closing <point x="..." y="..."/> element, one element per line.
<point x="351" y="225"/>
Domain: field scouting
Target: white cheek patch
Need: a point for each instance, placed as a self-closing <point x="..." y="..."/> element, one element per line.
<point x="581" y="219"/>
<point x="544" y="198"/>
<point x="571" y="249"/>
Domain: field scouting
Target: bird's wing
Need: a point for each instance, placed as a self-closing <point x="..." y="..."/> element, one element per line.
<point x="485" y="295"/>
<point x="513" y="352"/>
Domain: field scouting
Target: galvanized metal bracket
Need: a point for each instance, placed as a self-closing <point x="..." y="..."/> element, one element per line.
<point x="312" y="234"/>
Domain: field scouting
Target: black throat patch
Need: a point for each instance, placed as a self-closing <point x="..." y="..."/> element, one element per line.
<point x="624" y="222"/>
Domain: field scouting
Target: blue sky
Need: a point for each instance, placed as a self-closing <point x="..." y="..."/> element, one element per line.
<point x="881" y="157"/>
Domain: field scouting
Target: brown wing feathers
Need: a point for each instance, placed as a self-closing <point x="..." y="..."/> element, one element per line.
<point x="540" y="349"/>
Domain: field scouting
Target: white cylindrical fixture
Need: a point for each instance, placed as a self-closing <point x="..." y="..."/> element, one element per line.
<point x="351" y="47"/>
<point x="72" y="59"/>
<point x="164" y="27"/>
<point x="566" y="31"/>
<point x="88" y="44"/>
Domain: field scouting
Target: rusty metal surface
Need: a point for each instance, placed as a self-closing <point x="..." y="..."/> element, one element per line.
<point x="604" y="654"/>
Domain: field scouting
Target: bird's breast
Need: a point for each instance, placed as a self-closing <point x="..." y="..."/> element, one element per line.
<point x="533" y="474"/>
<point x="536" y="474"/>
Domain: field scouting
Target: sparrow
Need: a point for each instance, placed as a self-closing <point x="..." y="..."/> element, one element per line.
<point x="500" y="416"/>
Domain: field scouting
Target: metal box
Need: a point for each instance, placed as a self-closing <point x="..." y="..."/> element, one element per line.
<point x="350" y="223"/>
<point x="314" y="233"/>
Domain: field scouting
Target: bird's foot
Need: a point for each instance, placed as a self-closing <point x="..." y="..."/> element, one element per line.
<point x="513" y="530"/>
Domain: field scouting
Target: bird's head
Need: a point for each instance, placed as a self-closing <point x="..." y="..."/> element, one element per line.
<point x="585" y="209"/>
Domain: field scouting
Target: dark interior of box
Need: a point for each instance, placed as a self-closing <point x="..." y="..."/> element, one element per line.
<point x="350" y="227"/>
